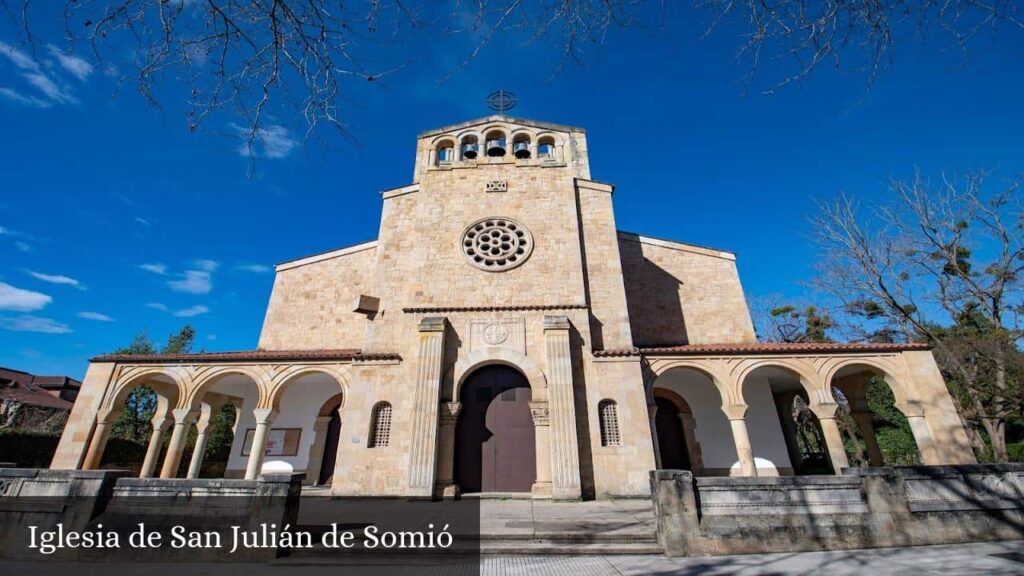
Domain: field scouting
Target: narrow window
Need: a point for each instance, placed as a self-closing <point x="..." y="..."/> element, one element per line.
<point x="380" y="425"/>
<point x="608" y="414"/>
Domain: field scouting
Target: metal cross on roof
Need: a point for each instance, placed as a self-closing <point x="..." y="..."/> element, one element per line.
<point x="501" y="101"/>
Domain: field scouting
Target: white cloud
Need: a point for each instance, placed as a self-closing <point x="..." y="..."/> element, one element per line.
<point x="18" y="58"/>
<point x="27" y="323"/>
<point x="142" y="221"/>
<point x="56" y="279"/>
<point x="19" y="98"/>
<point x="23" y="246"/>
<point x="157" y="306"/>
<point x="254" y="268"/>
<point x="19" y="300"/>
<point x="190" y="312"/>
<point x="207" y="265"/>
<point x="95" y="316"/>
<point x="155" y="268"/>
<point x="47" y="86"/>
<point x="269" y="142"/>
<point x="192" y="282"/>
<point x="76" y="66"/>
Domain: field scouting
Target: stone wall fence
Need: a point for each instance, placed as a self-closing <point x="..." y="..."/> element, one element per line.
<point x="863" y="508"/>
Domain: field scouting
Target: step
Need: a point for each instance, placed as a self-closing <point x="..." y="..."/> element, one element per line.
<point x="542" y="547"/>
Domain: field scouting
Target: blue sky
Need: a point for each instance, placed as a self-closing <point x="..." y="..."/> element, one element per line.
<point x="114" y="218"/>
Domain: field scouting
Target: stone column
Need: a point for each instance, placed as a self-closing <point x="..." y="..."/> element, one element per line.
<point x="826" y="413"/>
<point x="692" y="446"/>
<point x="446" y="450"/>
<point x="565" y="456"/>
<point x="736" y="413"/>
<point x="426" y="397"/>
<point x="264" y="416"/>
<point x="199" y="450"/>
<point x="156" y="441"/>
<point x="922" y="433"/>
<point x="183" y="419"/>
<point x="316" y="450"/>
<point x="652" y="419"/>
<point x="542" y="430"/>
<point x="866" y="425"/>
<point x="98" y="444"/>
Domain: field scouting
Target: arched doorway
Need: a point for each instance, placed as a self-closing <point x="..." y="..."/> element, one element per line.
<point x="672" y="446"/>
<point x="329" y="456"/>
<point x="494" y="441"/>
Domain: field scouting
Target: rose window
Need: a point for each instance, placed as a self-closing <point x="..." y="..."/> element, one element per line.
<point x="496" y="244"/>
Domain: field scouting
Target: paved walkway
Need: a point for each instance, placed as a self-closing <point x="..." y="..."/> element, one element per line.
<point x="987" y="559"/>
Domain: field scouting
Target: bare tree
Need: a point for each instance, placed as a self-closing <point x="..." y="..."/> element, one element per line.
<point x="943" y="264"/>
<point x="267" y="62"/>
<point x="858" y="34"/>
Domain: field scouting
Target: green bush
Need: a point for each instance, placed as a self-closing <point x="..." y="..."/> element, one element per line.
<point x="27" y="449"/>
<point x="1016" y="452"/>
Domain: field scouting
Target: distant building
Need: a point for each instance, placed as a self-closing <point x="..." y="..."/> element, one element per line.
<point x="35" y="403"/>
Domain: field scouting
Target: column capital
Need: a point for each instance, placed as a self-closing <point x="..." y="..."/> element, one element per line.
<point x="161" y="423"/>
<point x="824" y="410"/>
<point x="185" y="415"/>
<point x="433" y="324"/>
<point x="556" y="322"/>
<point x="539" y="412"/>
<point x="450" y="412"/>
<point x="735" y="411"/>
<point x="264" y="415"/>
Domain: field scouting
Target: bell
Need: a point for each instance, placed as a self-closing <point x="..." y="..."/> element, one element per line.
<point x="470" y="151"/>
<point x="521" y="149"/>
<point x="496" y="147"/>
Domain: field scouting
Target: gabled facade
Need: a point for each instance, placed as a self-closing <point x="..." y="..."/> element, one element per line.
<point x="502" y="335"/>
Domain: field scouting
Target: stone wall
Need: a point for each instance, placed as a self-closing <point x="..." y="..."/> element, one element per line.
<point x="82" y="500"/>
<point x="682" y="294"/>
<point x="864" y="508"/>
<point x="313" y="300"/>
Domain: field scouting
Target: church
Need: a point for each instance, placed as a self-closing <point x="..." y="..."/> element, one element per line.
<point x="501" y="335"/>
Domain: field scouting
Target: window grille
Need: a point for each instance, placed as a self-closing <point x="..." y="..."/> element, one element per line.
<point x="608" y="413"/>
<point x="380" y="432"/>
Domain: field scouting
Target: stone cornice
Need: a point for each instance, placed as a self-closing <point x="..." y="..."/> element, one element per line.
<point x="740" y="349"/>
<point x="512" y="308"/>
<point x="248" y="355"/>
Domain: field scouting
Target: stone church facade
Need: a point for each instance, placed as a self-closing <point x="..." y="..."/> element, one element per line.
<point x="502" y="335"/>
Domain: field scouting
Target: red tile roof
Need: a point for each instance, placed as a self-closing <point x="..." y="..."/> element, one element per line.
<point x="34" y="398"/>
<point x="262" y="355"/>
<point x="765" y="348"/>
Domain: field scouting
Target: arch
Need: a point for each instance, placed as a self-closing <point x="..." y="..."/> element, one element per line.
<point x="495" y="438"/>
<point x="900" y="387"/>
<point x="718" y="378"/>
<point x="172" y="391"/>
<point x="331" y="405"/>
<point x="284" y="380"/>
<point x="210" y="378"/>
<point x="802" y="369"/>
<point x="522" y="144"/>
<point x="496" y="142"/>
<point x="546" y="145"/>
<point x="444" y="151"/>
<point x="469" y="146"/>
<point x="671" y="396"/>
<point x="488" y="356"/>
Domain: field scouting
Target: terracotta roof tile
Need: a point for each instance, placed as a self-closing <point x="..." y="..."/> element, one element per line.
<point x="264" y="355"/>
<point x="765" y="348"/>
<point x="34" y="398"/>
